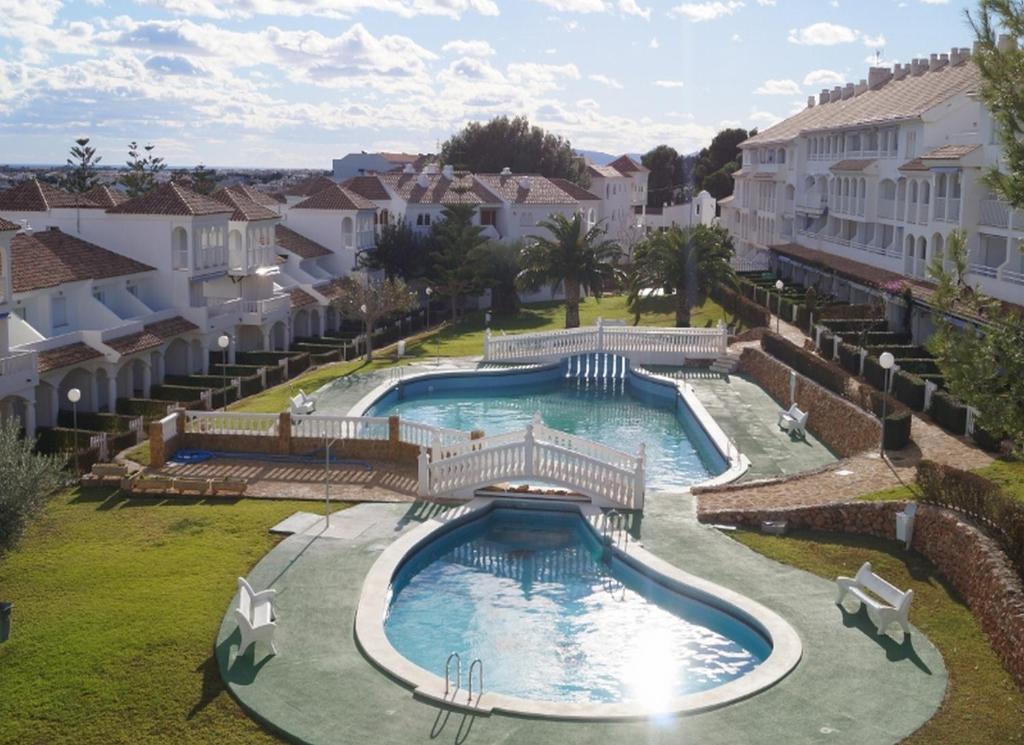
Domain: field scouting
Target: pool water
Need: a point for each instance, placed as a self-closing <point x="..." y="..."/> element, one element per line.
<point x="613" y="413"/>
<point x="527" y="592"/>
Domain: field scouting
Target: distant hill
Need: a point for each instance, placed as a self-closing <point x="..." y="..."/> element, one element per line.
<point x="599" y="158"/>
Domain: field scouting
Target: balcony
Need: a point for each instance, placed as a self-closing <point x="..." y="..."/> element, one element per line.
<point x="812" y="202"/>
<point x="1014" y="277"/>
<point x="984" y="270"/>
<point x="217" y="307"/>
<point x="18" y="371"/>
<point x="994" y="213"/>
<point x="257" y="311"/>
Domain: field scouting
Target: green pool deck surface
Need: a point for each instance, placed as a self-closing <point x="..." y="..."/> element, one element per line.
<point x="850" y="686"/>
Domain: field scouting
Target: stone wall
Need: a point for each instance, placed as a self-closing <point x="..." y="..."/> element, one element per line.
<point x="843" y="427"/>
<point x="969" y="559"/>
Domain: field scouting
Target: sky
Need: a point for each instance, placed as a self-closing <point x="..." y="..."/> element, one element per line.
<point x="295" y="83"/>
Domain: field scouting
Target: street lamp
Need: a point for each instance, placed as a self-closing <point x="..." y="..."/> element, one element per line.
<point x="778" y="318"/>
<point x="430" y="291"/>
<point x="223" y="341"/>
<point x="74" y="396"/>
<point x="886" y="360"/>
<point x="366" y="327"/>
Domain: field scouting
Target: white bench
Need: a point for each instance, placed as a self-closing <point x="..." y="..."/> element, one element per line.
<point x="255" y="616"/>
<point x="303" y="404"/>
<point x="794" y="421"/>
<point x="888" y="603"/>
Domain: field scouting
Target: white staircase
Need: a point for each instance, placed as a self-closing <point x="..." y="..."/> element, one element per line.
<point x="726" y="364"/>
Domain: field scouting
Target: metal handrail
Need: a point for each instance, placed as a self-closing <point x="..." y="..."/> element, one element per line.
<point x="458" y="671"/>
<point x="472" y="665"/>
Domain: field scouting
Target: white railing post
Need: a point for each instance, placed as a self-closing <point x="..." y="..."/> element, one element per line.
<point x="487" y="344"/>
<point x="639" y="484"/>
<point x="600" y="335"/>
<point x="862" y="353"/>
<point x="528" y="443"/>
<point x="836" y="341"/>
<point x="423" y="473"/>
<point x="972" y="421"/>
<point x="929" y="390"/>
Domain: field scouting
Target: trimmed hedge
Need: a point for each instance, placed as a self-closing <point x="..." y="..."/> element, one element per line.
<point x="873" y="372"/>
<point x="849" y="358"/>
<point x="844" y="311"/>
<point x="979" y="498"/>
<point x="806" y="363"/>
<point x="750" y="313"/>
<point x="147" y="408"/>
<point x="909" y="389"/>
<point x="949" y="412"/>
<point x="95" y="421"/>
<point x="846" y="326"/>
<point x="985" y="440"/>
<point x="920" y="365"/>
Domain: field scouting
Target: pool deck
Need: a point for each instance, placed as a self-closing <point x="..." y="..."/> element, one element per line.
<point x="850" y="686"/>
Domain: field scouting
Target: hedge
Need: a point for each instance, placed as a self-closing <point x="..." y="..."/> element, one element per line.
<point x="844" y="311"/>
<point x="985" y="440"/>
<point x="806" y="363"/>
<point x="978" y="498"/>
<point x="849" y="358"/>
<point x="920" y="365"/>
<point x="909" y="389"/>
<point x="148" y="408"/>
<point x="846" y="326"/>
<point x="95" y="421"/>
<point x="873" y="372"/>
<point x="949" y="412"/>
<point x="750" y="313"/>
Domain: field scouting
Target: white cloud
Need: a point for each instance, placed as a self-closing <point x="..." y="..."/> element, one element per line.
<point x="605" y="80"/>
<point x="823" y="78"/>
<point x="653" y="43"/>
<point x="823" y="34"/>
<point x="575" y="6"/>
<point x="327" y="8"/>
<point x="471" y="48"/>
<point x="632" y="8"/>
<point x="706" y="11"/>
<point x="873" y="41"/>
<point x="778" y="88"/>
<point x="669" y="83"/>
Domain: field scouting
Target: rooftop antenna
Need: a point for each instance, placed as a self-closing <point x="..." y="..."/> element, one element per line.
<point x="878" y="57"/>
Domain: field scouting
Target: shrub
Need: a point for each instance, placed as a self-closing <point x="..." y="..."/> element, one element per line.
<point x="147" y="408"/>
<point x="805" y="363"/>
<point x="985" y="440"/>
<point x="849" y="358"/>
<point x="848" y="326"/>
<point x="909" y="389"/>
<point x="843" y="310"/>
<point x="873" y="372"/>
<point x="27" y="479"/>
<point x="749" y="313"/>
<point x="827" y="338"/>
<point x="948" y="412"/>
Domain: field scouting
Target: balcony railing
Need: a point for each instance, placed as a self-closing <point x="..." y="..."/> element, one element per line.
<point x="940" y="208"/>
<point x="922" y="213"/>
<point x="984" y="270"/>
<point x="267" y="306"/>
<point x="18" y="363"/>
<point x="812" y="201"/>
<point x="994" y="213"/>
<point x="223" y="307"/>
<point x="1009" y="275"/>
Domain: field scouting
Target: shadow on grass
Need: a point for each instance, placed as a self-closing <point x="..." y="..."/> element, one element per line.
<point x="894" y="651"/>
<point x="212" y="685"/>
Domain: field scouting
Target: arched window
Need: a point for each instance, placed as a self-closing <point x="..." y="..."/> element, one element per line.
<point x="347" y="231"/>
<point x="179" y="248"/>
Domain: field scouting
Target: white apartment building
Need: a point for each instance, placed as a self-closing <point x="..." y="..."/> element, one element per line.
<point x="363" y="164"/>
<point x="862" y="188"/>
<point x="698" y="211"/>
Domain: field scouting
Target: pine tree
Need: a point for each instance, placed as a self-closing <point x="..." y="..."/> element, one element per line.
<point x="81" y="174"/>
<point x="143" y="168"/>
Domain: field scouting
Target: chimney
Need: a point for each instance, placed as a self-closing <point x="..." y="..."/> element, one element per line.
<point x="965" y="54"/>
<point x="422" y="180"/>
<point x="918" y="67"/>
<point x="824" y="97"/>
<point x="837" y="93"/>
<point x="449" y="172"/>
<point x="900" y="71"/>
<point x="954" y="57"/>
<point x="878" y="76"/>
<point x="848" y="91"/>
<point x="1006" y="43"/>
<point x="810" y="102"/>
<point x="506" y="171"/>
<point x="861" y="87"/>
<point x="430" y="169"/>
<point x="408" y="168"/>
<point x="524" y="183"/>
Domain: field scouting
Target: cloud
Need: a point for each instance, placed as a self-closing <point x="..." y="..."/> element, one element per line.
<point x="605" y="80"/>
<point x="471" y="48"/>
<point x="778" y="88"/>
<point x="632" y="8"/>
<point x="221" y="9"/>
<point x="823" y="34"/>
<point x="706" y="11"/>
<point x="575" y="6"/>
<point x="669" y="83"/>
<point x="653" y="43"/>
<point x="824" y="78"/>
<point x="873" y="41"/>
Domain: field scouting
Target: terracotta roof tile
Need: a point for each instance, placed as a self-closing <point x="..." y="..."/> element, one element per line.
<point x="170" y="328"/>
<point x="35" y="196"/>
<point x="367" y="186"/>
<point x="6" y="225"/>
<point x="626" y="166"/>
<point x="260" y="197"/>
<point x="602" y="171"/>
<point x="298" y="244"/>
<point x="309" y="186"/>
<point x="514" y="189"/>
<point x="106" y="196"/>
<point x="65" y="356"/>
<point x="301" y="298"/>
<point x="574" y="190"/>
<point x="152" y="335"/>
<point x="914" y="165"/>
<point x="335" y="197"/>
<point x="170" y="199"/>
<point x="949" y="152"/>
<point x="439" y="189"/>
<point x="331" y="290"/>
<point x="852" y="165"/>
<point x="48" y="258"/>
<point x="246" y="210"/>
<point x="907" y="98"/>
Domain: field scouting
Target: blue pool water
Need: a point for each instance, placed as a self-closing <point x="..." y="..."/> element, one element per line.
<point x="620" y="414"/>
<point x="526" y="591"/>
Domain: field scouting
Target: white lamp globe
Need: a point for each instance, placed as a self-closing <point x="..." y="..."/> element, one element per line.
<point x="223" y="341"/>
<point x="74" y="395"/>
<point x="886" y="360"/>
<point x="778" y="285"/>
<point x="362" y="308"/>
<point x="430" y="290"/>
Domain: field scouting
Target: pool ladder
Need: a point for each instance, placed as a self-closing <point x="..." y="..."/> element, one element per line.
<point x="476" y="664"/>
<point x="615" y="524"/>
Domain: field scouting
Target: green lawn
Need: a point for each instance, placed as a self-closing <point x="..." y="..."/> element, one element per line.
<point x="1008" y="473"/>
<point x="116" y="606"/>
<point x="466" y="339"/>
<point x="983" y="705"/>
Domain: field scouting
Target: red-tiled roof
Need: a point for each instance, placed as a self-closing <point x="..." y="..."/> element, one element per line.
<point x="439" y="189"/>
<point x="65" y="356"/>
<point x="245" y="210"/>
<point x="852" y="164"/>
<point x="35" y="196"/>
<point x="367" y="186"/>
<point x="152" y="335"/>
<point x="48" y="258"/>
<point x="301" y="298"/>
<point x="332" y="289"/>
<point x="914" y="165"/>
<point x="309" y="186"/>
<point x="260" y="197"/>
<point x="949" y="152"/>
<point x="171" y="327"/>
<point x="626" y="165"/>
<point x="170" y="199"/>
<point x="299" y="244"/>
<point x="602" y="171"/>
<point x="6" y="225"/>
<point x="521" y="189"/>
<point x="335" y="197"/>
<point x="106" y="196"/>
<point x="574" y="190"/>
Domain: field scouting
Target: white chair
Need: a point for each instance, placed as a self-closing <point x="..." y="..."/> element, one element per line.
<point x="886" y="602"/>
<point x="794" y="421"/>
<point x="302" y="404"/>
<point x="255" y="616"/>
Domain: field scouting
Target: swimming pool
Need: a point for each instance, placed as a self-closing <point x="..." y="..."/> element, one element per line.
<point x="621" y="413"/>
<point x="529" y="593"/>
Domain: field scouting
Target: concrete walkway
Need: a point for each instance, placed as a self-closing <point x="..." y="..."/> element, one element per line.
<point x="850" y="687"/>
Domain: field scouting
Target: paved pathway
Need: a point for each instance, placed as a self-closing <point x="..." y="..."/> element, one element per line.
<point x="850" y="687"/>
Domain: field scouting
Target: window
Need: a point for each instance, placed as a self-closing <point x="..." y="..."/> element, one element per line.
<point x="488" y="217"/>
<point x="911" y="144"/>
<point x="59" y="311"/>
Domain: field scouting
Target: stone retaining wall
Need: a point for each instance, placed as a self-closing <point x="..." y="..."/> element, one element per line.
<point x="969" y="559"/>
<point x="843" y="427"/>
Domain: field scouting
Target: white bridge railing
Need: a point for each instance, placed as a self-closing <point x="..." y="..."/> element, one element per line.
<point x="639" y="344"/>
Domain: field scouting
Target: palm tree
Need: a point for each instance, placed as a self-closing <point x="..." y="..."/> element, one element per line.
<point x="573" y="257"/>
<point x="688" y="262"/>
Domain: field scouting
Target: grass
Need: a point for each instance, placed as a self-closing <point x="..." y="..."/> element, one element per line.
<point x="1007" y="473"/>
<point x="466" y="339"/>
<point x="982" y="705"/>
<point x="116" y="606"/>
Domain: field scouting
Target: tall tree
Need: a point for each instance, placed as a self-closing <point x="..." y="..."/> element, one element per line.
<point x="81" y="174"/>
<point x="143" y="168"/>
<point x="452" y="241"/>
<point x="501" y="142"/>
<point x="718" y="161"/>
<point x="573" y="258"/>
<point x="27" y="479"/>
<point x="497" y="266"/>
<point x="1002" y="69"/>
<point x="397" y="251"/>
<point x="204" y="180"/>
<point x="373" y="300"/>
<point x="984" y="366"/>
<point x="687" y="261"/>
<point x="666" y="177"/>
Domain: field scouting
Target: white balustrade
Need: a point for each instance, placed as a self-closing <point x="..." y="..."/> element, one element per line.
<point x="340" y="427"/>
<point x="230" y="423"/>
<point x="886" y="208"/>
<point x="415" y="433"/>
<point x="940" y="208"/>
<point x="168" y="426"/>
<point x="17" y="363"/>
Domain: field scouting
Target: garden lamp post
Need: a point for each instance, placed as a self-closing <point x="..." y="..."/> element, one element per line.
<point x="430" y="291"/>
<point x="223" y="341"/>
<point x="366" y="326"/>
<point x="74" y="396"/>
<point x="886" y="360"/>
<point x="778" y="318"/>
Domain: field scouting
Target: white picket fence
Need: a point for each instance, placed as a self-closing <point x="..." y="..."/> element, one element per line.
<point x="609" y="477"/>
<point x="641" y="345"/>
